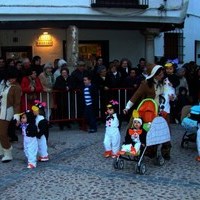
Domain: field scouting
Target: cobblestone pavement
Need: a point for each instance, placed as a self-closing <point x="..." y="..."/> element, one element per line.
<point x="78" y="171"/>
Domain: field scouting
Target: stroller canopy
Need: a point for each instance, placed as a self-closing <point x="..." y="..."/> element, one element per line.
<point x="148" y="110"/>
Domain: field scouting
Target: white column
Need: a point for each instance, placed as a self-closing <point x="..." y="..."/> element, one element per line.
<point x="150" y="34"/>
<point x="72" y="46"/>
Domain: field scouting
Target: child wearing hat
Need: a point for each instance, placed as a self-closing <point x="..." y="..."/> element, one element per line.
<point x="29" y="132"/>
<point x="171" y="81"/>
<point x="42" y="130"/>
<point x="112" y="134"/>
<point x="134" y="133"/>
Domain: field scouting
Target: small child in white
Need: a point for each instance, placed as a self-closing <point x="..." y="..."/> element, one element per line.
<point x="134" y="132"/>
<point x="42" y="128"/>
<point x="112" y="133"/>
<point x="29" y="132"/>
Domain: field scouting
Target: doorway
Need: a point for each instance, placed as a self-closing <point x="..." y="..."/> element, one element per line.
<point x="90" y="50"/>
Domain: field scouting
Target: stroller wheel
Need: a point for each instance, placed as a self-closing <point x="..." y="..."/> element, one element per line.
<point x="115" y="163"/>
<point x="160" y="161"/>
<point x="142" y="168"/>
<point x="121" y="164"/>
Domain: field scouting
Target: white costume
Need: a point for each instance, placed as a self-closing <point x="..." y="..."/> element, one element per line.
<point x="112" y="134"/>
<point x="130" y="147"/>
<point x="42" y="142"/>
<point x="168" y="91"/>
<point x="30" y="147"/>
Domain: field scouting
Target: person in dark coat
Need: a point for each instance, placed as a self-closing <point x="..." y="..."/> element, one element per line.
<point x="90" y="103"/>
<point x="62" y="85"/>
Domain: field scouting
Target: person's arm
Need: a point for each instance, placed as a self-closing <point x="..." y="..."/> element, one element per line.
<point x="137" y="95"/>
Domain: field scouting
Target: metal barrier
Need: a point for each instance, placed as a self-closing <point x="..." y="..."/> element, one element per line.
<point x="69" y="105"/>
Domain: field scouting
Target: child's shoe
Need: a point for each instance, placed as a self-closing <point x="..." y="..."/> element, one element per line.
<point x="31" y="166"/>
<point x="107" y="154"/>
<point x="43" y="159"/>
<point x="121" y="152"/>
<point x="114" y="155"/>
<point x="198" y="158"/>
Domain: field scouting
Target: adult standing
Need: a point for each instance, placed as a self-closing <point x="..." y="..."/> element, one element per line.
<point x="9" y="107"/>
<point x="31" y="88"/>
<point x="152" y="87"/>
<point x="62" y="84"/>
<point x="47" y="81"/>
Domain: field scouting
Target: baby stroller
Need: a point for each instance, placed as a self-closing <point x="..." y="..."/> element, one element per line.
<point x="190" y="117"/>
<point x="157" y="132"/>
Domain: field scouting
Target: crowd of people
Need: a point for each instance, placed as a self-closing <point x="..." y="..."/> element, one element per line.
<point x="23" y="81"/>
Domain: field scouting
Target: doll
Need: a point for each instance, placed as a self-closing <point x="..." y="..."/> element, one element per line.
<point x="29" y="132"/>
<point x="112" y="133"/>
<point x="42" y="130"/>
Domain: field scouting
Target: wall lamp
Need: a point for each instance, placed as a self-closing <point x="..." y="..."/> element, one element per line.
<point x="44" y="40"/>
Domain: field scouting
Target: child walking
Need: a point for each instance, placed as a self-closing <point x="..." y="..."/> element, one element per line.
<point x="29" y="132"/>
<point x="42" y="129"/>
<point x="112" y="134"/>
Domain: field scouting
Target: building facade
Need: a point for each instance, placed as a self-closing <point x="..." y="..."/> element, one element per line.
<point x="85" y="29"/>
<point x="186" y="44"/>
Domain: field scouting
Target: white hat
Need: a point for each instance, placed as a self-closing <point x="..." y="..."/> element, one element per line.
<point x="138" y="119"/>
<point x="62" y="62"/>
<point x="153" y="71"/>
<point x="48" y="65"/>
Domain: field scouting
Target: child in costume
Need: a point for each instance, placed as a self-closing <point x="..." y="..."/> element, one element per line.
<point x="42" y="130"/>
<point x="171" y="81"/>
<point x="29" y="132"/>
<point x="134" y="133"/>
<point x="112" y="134"/>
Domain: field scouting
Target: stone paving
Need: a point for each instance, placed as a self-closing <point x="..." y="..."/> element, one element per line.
<point x="78" y="171"/>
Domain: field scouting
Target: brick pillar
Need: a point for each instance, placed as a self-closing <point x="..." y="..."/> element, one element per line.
<point x="72" y="46"/>
<point x="150" y="34"/>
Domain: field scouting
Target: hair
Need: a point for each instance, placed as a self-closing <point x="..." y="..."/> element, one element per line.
<point x="29" y="71"/>
<point x="30" y="116"/>
<point x="142" y="59"/>
<point x="64" y="69"/>
<point x="88" y="76"/>
<point x="35" y="58"/>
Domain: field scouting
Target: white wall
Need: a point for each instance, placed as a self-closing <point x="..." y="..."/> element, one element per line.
<point x="191" y="30"/>
<point x="128" y="44"/>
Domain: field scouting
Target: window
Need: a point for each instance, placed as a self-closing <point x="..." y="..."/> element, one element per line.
<point x="173" y="45"/>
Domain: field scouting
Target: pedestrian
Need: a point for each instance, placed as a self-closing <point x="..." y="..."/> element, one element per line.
<point x="153" y="88"/>
<point x="112" y="134"/>
<point x="29" y="132"/>
<point x="42" y="129"/>
<point x="10" y="96"/>
<point x="90" y="103"/>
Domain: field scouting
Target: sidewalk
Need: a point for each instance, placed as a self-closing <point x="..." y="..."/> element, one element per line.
<point x="78" y="171"/>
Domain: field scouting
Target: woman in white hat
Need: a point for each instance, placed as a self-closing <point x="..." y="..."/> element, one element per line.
<point x="152" y="87"/>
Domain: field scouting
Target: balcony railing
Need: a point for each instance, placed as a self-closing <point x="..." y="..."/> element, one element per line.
<point x="139" y="4"/>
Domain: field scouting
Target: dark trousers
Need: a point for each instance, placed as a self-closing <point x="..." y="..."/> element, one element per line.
<point x="90" y="117"/>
